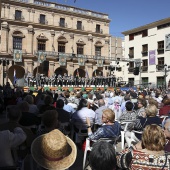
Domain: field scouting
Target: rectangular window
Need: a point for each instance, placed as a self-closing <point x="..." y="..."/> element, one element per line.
<point x="42" y="19"/>
<point x="131" y="66"/>
<point x="144" y="80"/>
<point x="144" y="33"/>
<point x="131" y="81"/>
<point x="41" y="45"/>
<point x="61" y="47"/>
<point x="131" y="37"/>
<point x="97" y="28"/>
<point x="80" y="49"/>
<point x="145" y="50"/>
<point x="145" y="65"/>
<point x="97" y="51"/>
<point x="131" y="52"/>
<point x="160" y="47"/>
<point x="62" y="22"/>
<point x="18" y="15"/>
<point x="160" y="82"/>
<point x="79" y="25"/>
<point x="17" y="43"/>
<point x="160" y="65"/>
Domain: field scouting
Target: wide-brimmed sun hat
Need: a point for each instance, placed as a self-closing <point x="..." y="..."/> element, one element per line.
<point x="54" y="151"/>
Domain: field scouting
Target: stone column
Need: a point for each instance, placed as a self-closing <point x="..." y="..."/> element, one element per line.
<point x="30" y="43"/>
<point x="52" y="40"/>
<point x="4" y="37"/>
<point x="51" y="68"/>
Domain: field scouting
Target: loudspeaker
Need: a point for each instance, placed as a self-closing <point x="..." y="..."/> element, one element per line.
<point x="45" y="66"/>
<point x="4" y="63"/>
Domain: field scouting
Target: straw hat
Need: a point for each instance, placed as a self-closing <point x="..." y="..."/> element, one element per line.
<point x="54" y="151"/>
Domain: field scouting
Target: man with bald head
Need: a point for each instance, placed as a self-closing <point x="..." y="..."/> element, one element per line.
<point x="99" y="112"/>
<point x="167" y="134"/>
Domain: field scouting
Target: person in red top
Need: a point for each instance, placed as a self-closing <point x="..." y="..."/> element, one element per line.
<point x="165" y="110"/>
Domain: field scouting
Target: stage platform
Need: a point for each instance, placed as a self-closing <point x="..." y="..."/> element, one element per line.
<point x="26" y="88"/>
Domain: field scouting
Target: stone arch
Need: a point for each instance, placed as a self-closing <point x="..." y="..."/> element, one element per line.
<point x="79" y="71"/>
<point x="61" y="71"/>
<point x="97" y="72"/>
<point x="20" y="72"/>
<point x="39" y="70"/>
<point x="18" y="33"/>
<point x="62" y="39"/>
<point x="98" y="44"/>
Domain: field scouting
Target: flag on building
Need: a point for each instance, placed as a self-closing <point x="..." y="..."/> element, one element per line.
<point x="77" y="73"/>
<point x="15" y="78"/>
<point x="95" y="73"/>
<point x="87" y="74"/>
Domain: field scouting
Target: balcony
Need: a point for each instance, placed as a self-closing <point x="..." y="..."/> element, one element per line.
<point x="62" y="24"/>
<point x="99" y="31"/>
<point x="160" y="50"/>
<point x="131" y="55"/>
<point x="80" y="27"/>
<point x="144" y="53"/>
<point x="159" y="67"/>
<point x="131" y="69"/>
<point x="19" y="18"/>
<point x="45" y="22"/>
<point x="144" y="68"/>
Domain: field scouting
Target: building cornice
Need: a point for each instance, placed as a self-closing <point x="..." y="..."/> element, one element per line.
<point x="55" y="28"/>
<point x="147" y="26"/>
<point x="58" y="11"/>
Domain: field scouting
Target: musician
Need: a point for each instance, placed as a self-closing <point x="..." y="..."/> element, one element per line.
<point x="83" y="81"/>
<point x="28" y="78"/>
<point x="38" y="83"/>
<point x="59" y="80"/>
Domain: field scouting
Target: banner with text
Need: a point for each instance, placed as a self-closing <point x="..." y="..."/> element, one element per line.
<point x="152" y="57"/>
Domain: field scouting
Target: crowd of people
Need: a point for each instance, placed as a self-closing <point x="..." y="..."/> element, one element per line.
<point x="41" y="128"/>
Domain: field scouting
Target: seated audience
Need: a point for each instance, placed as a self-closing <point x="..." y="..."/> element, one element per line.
<point x="110" y="127"/>
<point x="27" y="118"/>
<point x="142" y="122"/>
<point x="102" y="156"/>
<point x="14" y="115"/>
<point x="148" y="154"/>
<point x="167" y="134"/>
<point x="165" y="110"/>
<point x="32" y="107"/>
<point x="9" y="140"/>
<point x="142" y="104"/>
<point x="49" y="122"/>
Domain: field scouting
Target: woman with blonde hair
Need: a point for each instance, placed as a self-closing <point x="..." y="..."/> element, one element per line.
<point x="147" y="154"/>
<point x="110" y="127"/>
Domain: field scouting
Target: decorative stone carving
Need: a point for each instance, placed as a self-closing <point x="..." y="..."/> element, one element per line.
<point x="90" y="37"/>
<point x="3" y="5"/>
<point x="72" y="36"/>
<point x="30" y="29"/>
<point x="5" y="26"/>
<point x="52" y="33"/>
<point x="29" y="10"/>
<point x="8" y="6"/>
<point x="33" y="10"/>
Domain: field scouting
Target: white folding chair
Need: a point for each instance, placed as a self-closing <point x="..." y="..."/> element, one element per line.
<point x="163" y="118"/>
<point x="126" y="123"/>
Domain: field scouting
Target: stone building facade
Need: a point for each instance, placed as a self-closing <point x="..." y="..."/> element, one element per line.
<point x="29" y="27"/>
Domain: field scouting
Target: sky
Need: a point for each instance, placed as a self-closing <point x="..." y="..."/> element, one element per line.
<point x="125" y="14"/>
